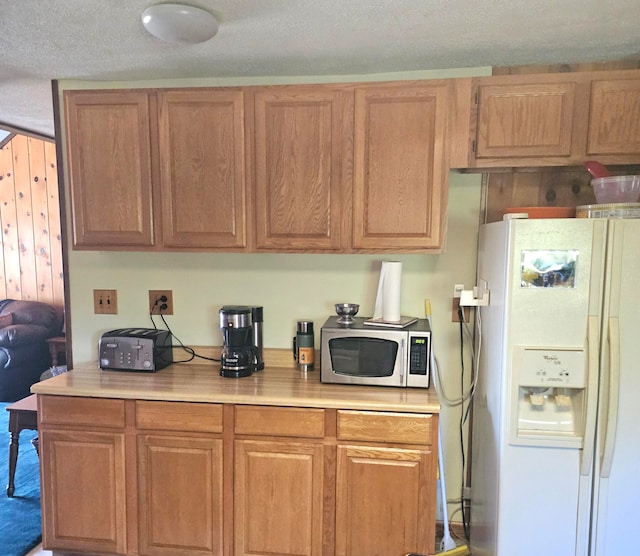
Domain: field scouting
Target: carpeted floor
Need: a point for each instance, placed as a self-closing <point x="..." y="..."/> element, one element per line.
<point x="20" y="520"/>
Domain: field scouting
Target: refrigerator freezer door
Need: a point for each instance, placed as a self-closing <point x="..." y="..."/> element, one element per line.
<point x="617" y="484"/>
<point x="530" y="491"/>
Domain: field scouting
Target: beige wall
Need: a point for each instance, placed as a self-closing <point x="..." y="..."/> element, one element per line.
<point x="289" y="287"/>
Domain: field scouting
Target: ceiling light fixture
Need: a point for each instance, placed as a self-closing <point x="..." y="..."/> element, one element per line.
<point x="179" y="23"/>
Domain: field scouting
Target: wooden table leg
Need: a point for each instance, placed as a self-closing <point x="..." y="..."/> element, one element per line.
<point x="13" y="460"/>
<point x="23" y="414"/>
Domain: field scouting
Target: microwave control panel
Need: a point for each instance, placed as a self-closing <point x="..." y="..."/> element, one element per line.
<point x="418" y="355"/>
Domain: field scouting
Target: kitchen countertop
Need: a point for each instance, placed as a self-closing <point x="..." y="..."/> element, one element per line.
<point x="280" y="384"/>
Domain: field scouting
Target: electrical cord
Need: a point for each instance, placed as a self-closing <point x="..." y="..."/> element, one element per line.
<point x="462" y="419"/>
<point x="465" y="397"/>
<point x="468" y="395"/>
<point x="464" y="414"/>
<point x="161" y="301"/>
<point x="447" y="542"/>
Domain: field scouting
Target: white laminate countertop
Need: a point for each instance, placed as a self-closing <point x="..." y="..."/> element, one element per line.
<point x="201" y="382"/>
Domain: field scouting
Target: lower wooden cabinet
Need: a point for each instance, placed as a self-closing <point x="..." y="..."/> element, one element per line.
<point x="385" y="483"/>
<point x="83" y="496"/>
<point x="83" y="486"/>
<point x="177" y="478"/>
<point x="180" y="500"/>
<point x="278" y="498"/>
<point x="380" y="507"/>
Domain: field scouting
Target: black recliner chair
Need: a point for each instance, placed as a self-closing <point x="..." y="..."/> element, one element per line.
<point x="24" y="353"/>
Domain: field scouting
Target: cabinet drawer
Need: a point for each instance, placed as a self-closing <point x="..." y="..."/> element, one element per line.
<point x="69" y="410"/>
<point x="179" y="416"/>
<point x="370" y="426"/>
<point x="280" y="421"/>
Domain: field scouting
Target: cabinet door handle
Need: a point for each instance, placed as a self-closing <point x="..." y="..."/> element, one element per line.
<point x="592" y="396"/>
<point x="614" y="397"/>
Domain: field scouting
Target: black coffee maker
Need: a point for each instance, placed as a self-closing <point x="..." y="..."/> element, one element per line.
<point x="242" y="340"/>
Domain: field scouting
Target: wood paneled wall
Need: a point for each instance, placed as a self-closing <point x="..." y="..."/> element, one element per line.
<point x="31" y="254"/>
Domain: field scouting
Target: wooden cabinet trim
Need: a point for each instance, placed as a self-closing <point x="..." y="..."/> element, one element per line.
<point x="179" y="416"/>
<point x="279" y="421"/>
<point x="372" y="426"/>
<point x="75" y="411"/>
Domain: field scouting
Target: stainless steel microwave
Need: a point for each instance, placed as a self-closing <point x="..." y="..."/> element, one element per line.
<point x="358" y="353"/>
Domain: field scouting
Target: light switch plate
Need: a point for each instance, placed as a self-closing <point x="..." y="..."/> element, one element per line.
<point x="105" y="302"/>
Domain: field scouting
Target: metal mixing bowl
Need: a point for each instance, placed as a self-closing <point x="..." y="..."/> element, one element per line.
<point x="346" y="311"/>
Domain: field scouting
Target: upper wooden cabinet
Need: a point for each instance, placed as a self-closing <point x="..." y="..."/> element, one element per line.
<point x="614" y="117"/>
<point x="354" y="167"/>
<point x="400" y="165"/>
<point x="157" y="170"/>
<point x="559" y="119"/>
<point x="301" y="136"/>
<point x="201" y="142"/>
<point x="532" y="120"/>
<point x="110" y="168"/>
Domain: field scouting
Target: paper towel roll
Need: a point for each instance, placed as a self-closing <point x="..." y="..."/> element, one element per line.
<point x="388" y="297"/>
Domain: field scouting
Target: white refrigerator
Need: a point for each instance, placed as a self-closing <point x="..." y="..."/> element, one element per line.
<point x="555" y="457"/>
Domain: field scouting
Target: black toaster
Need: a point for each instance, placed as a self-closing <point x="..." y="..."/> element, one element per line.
<point x="135" y="349"/>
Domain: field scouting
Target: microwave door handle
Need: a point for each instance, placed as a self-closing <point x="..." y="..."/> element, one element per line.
<point x="403" y="358"/>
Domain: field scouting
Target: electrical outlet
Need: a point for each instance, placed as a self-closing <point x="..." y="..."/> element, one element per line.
<point x="454" y="311"/>
<point x="457" y="290"/>
<point x="105" y="302"/>
<point x="157" y="307"/>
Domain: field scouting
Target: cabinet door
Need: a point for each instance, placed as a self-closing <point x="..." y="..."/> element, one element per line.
<point x="384" y="501"/>
<point x="84" y="496"/>
<point x="525" y="119"/>
<point x="400" y="166"/>
<point x="278" y="498"/>
<point x="180" y="495"/>
<point x="202" y="138"/>
<point x="300" y="135"/>
<point x="109" y="158"/>
<point x="614" y="117"/>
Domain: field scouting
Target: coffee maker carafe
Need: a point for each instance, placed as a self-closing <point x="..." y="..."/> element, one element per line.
<point x="242" y="340"/>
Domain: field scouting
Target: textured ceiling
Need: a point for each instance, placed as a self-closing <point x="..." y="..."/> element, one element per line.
<point x="41" y="40"/>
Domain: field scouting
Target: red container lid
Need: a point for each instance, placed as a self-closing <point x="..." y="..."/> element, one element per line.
<point x="542" y="212"/>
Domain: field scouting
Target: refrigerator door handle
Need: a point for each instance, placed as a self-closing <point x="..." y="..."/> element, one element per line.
<point x="614" y="394"/>
<point x="592" y="396"/>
